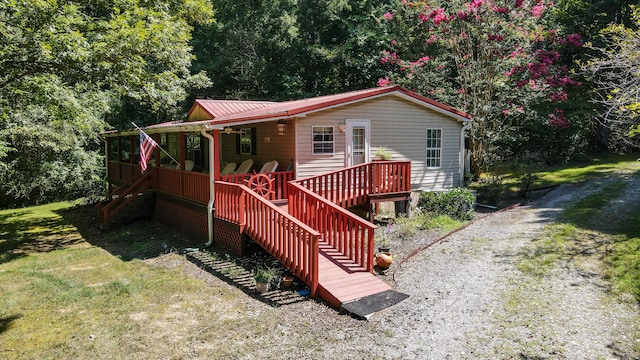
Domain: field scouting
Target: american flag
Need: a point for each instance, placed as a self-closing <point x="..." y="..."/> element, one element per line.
<point x="147" y="144"/>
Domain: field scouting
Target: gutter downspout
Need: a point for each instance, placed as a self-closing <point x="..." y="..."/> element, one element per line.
<point x="204" y="133"/>
<point x="462" y="152"/>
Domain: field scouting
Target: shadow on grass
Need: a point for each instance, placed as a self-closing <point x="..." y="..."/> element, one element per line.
<point x="7" y="322"/>
<point x="24" y="232"/>
<point x="608" y="209"/>
<point x="146" y="239"/>
<point x="142" y="239"/>
<point x="239" y="276"/>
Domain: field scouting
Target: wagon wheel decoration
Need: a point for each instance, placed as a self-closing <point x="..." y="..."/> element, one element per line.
<point x="261" y="184"/>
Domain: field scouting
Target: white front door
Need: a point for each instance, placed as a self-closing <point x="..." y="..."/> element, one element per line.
<point x="357" y="142"/>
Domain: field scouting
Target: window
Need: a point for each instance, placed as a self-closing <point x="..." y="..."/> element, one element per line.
<point x="358" y="141"/>
<point x="434" y="148"/>
<point x="246" y="145"/>
<point x="322" y="141"/>
<point x="170" y="143"/>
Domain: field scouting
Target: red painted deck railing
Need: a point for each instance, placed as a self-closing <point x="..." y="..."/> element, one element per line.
<point x="186" y="184"/>
<point x="123" y="171"/>
<point x="351" y="186"/>
<point x="390" y="177"/>
<point x="280" y="180"/>
<point x="345" y="232"/>
<point x="193" y="185"/>
<point x="313" y="200"/>
<point x="286" y="238"/>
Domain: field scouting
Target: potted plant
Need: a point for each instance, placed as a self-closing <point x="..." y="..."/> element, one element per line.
<point x="287" y="282"/>
<point x="385" y="235"/>
<point x="263" y="276"/>
<point x="383" y="154"/>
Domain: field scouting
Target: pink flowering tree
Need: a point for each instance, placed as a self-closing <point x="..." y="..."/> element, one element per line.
<point x="497" y="60"/>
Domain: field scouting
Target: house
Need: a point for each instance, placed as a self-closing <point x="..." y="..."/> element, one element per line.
<point x="283" y="173"/>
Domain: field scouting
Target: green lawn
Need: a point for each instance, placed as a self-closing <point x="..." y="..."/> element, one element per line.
<point x="69" y="291"/>
<point x="602" y="226"/>
<point x="64" y="294"/>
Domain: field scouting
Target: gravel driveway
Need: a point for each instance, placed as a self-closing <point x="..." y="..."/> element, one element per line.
<point x="469" y="300"/>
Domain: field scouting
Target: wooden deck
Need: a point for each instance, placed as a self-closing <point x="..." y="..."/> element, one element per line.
<point x="341" y="281"/>
<point x="307" y="228"/>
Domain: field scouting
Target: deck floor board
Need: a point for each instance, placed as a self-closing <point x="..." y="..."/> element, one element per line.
<point x="346" y="281"/>
<point x="340" y="278"/>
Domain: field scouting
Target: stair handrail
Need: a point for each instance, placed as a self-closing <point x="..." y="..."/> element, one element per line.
<point x="345" y="187"/>
<point x="111" y="195"/>
<point x="286" y="238"/>
<point x="123" y="199"/>
<point x="352" y="185"/>
<point x="345" y="232"/>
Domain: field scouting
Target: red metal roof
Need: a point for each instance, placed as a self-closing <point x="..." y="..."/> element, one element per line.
<point x="217" y="108"/>
<point x="225" y="112"/>
<point x="272" y="111"/>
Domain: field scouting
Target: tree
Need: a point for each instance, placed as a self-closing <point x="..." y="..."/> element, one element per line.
<point x="65" y="66"/>
<point x="615" y="69"/>
<point x="497" y="60"/>
<point x="286" y="49"/>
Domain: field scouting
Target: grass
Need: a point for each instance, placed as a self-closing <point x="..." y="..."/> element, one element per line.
<point x="501" y="188"/>
<point x="597" y="165"/>
<point x="64" y="297"/>
<point x="602" y="227"/>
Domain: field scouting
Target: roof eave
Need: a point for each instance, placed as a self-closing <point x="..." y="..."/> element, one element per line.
<point x="182" y="127"/>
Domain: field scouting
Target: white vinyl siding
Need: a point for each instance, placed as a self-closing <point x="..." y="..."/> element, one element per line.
<point x="434" y="148"/>
<point x="397" y="125"/>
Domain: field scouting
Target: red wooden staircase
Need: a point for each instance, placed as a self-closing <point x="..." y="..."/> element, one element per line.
<point x="326" y="246"/>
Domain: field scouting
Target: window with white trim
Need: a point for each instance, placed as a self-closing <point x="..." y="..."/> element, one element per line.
<point x="434" y="148"/>
<point x="322" y="140"/>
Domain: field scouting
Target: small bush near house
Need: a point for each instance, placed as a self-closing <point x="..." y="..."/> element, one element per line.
<point x="456" y="203"/>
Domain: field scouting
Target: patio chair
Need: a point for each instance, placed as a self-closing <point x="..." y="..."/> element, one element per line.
<point x="188" y="165"/>
<point x="269" y="167"/>
<point x="228" y="169"/>
<point x="244" y="167"/>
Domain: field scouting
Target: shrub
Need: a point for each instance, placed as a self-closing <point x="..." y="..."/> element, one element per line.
<point x="491" y="188"/>
<point x="456" y="203"/>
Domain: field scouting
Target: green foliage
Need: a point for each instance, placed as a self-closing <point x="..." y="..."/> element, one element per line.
<point x="66" y="68"/>
<point x="613" y="70"/>
<point x="494" y="60"/>
<point x="264" y="274"/>
<point x="286" y="49"/>
<point x="490" y="187"/>
<point x="456" y="203"/>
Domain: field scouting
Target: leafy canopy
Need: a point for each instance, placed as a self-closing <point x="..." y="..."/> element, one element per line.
<point x="65" y="66"/>
<point x="500" y="61"/>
